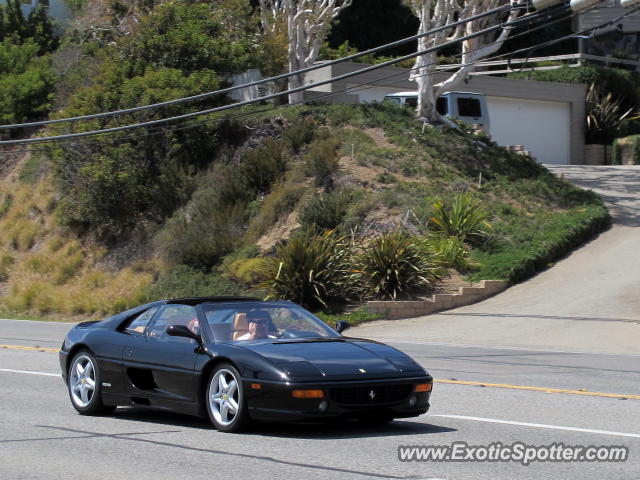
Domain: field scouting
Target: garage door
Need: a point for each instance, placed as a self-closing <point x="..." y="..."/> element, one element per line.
<point x="542" y="127"/>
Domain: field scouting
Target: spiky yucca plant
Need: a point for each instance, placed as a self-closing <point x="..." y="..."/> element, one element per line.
<point x="462" y="218"/>
<point x="605" y="117"/>
<point x="393" y="265"/>
<point x="309" y="269"/>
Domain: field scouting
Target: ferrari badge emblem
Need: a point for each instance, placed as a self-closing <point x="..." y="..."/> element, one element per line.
<point x="372" y="394"/>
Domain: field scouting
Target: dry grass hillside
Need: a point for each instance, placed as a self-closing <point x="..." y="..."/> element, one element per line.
<point x="359" y="170"/>
<point x="46" y="269"/>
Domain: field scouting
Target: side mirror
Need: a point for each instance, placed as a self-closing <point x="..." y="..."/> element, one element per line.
<point x="341" y="326"/>
<point x="182" y="331"/>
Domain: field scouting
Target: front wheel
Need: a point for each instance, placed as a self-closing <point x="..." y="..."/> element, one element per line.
<point x="83" y="382"/>
<point x="226" y="404"/>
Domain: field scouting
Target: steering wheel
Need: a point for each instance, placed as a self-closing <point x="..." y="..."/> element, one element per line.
<point x="286" y="334"/>
<point x="293" y="333"/>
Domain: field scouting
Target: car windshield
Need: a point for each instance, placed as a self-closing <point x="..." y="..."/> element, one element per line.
<point x="255" y="321"/>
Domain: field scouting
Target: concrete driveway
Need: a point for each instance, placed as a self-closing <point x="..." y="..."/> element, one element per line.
<point x="589" y="301"/>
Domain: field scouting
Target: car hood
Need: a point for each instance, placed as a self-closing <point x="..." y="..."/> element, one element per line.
<point x="336" y="359"/>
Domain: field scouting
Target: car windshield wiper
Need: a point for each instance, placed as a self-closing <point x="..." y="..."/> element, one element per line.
<point x="308" y="340"/>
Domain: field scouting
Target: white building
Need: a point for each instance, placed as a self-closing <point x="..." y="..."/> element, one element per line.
<point x="546" y="118"/>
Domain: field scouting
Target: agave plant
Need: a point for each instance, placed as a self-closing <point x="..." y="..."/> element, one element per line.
<point x="393" y="265"/>
<point x="309" y="269"/>
<point x="605" y="116"/>
<point x="462" y="218"/>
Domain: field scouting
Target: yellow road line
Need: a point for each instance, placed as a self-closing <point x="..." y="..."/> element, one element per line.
<point x="455" y="382"/>
<point x="23" y="347"/>
<point x="540" y="389"/>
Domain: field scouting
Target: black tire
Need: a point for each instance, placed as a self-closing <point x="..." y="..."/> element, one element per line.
<point x="225" y="402"/>
<point x="84" y="385"/>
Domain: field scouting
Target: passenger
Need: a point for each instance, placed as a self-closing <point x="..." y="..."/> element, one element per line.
<point x="194" y="325"/>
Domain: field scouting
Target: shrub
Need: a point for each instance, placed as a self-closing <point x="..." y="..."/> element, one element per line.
<point x="309" y="269"/>
<point x="183" y="281"/>
<point x="245" y="271"/>
<point x="300" y="133"/>
<point x="5" y="204"/>
<point x="322" y="160"/>
<point x="242" y="266"/>
<point x="282" y="200"/>
<point x="174" y="51"/>
<point x="393" y="265"/>
<point x="203" y="232"/>
<point x="338" y="115"/>
<point x="39" y="264"/>
<point x="113" y="186"/>
<point x="6" y="261"/>
<point x="626" y="150"/>
<point x="68" y="268"/>
<point x="33" y="168"/>
<point x="256" y="172"/>
<point x="461" y="218"/>
<point x="386" y="177"/>
<point x="326" y="211"/>
<point x="353" y="318"/>
<point x="449" y="252"/>
<point x="26" y="82"/>
<point x="37" y="27"/>
<point x="532" y="249"/>
<point x="262" y="166"/>
<point x="411" y="167"/>
<point x="187" y="36"/>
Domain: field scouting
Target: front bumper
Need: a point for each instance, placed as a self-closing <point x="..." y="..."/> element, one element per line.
<point x="396" y="398"/>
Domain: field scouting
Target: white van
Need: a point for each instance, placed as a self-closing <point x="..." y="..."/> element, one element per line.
<point x="471" y="108"/>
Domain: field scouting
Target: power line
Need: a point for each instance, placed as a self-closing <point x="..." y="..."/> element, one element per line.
<point x="532" y="47"/>
<point x="264" y="98"/>
<point x="494" y="11"/>
<point x="194" y="123"/>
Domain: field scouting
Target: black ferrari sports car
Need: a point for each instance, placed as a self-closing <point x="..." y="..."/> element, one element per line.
<point x="236" y="359"/>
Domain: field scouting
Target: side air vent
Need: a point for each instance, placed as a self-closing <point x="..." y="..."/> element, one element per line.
<point x="141" y="378"/>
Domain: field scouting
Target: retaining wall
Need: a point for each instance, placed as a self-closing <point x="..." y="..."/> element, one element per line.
<point x="440" y="301"/>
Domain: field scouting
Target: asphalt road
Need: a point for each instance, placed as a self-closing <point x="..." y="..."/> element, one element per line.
<point x="43" y="437"/>
<point x="499" y="367"/>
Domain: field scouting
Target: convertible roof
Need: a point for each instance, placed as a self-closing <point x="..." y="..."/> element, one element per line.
<point x="199" y="300"/>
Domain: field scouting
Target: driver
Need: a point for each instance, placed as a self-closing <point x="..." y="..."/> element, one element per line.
<point x="258" y="326"/>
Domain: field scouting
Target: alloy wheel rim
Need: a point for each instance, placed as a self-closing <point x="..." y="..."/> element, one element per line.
<point x="224" y="397"/>
<point x="82" y="381"/>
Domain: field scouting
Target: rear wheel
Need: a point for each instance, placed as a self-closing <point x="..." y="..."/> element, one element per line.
<point x="226" y="404"/>
<point x="84" y="385"/>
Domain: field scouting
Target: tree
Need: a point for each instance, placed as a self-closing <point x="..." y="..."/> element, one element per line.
<point x="177" y="50"/>
<point x="26" y="82"/>
<point x="308" y="23"/>
<point x="26" y="78"/>
<point x="437" y="13"/>
<point x="37" y="26"/>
